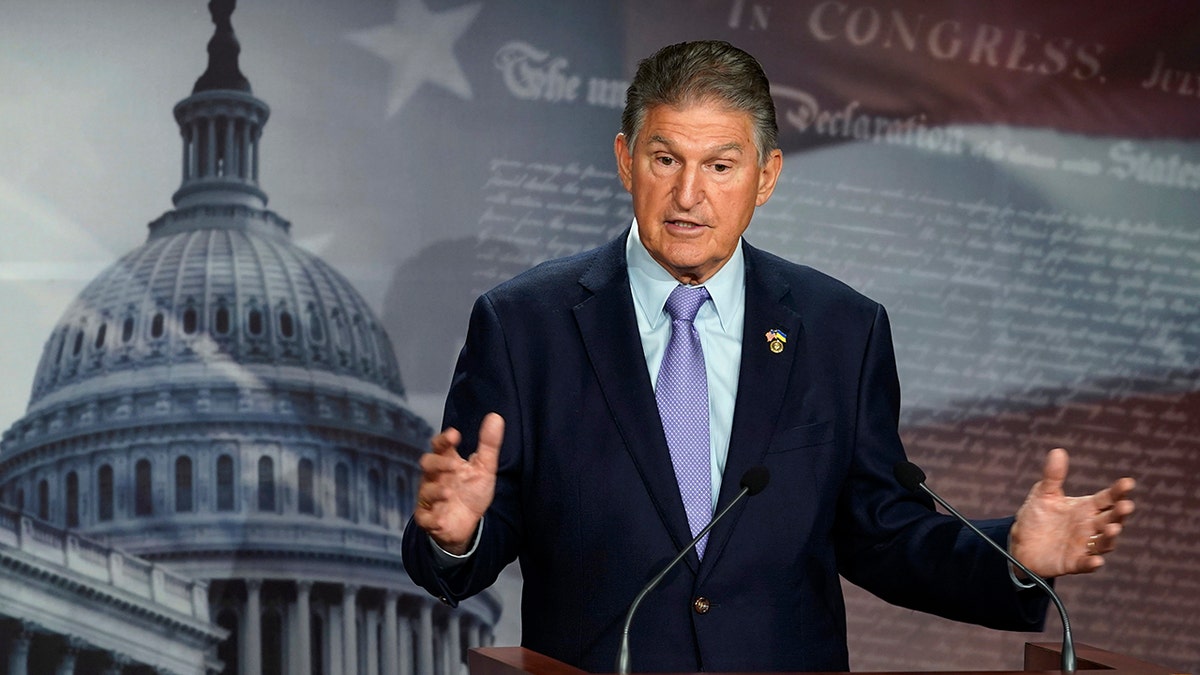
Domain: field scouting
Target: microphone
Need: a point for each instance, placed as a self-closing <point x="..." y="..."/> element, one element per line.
<point x="912" y="478"/>
<point x="753" y="482"/>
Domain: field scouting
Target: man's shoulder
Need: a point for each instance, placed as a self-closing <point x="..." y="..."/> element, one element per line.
<point x="563" y="279"/>
<point x="805" y="282"/>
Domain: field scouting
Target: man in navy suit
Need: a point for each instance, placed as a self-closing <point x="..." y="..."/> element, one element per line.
<point x="562" y="460"/>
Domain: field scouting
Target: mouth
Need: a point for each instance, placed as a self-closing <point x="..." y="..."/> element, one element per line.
<point x="684" y="225"/>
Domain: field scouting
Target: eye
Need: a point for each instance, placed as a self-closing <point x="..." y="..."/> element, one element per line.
<point x="665" y="160"/>
<point x="721" y="168"/>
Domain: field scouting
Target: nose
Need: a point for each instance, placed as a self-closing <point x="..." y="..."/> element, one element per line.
<point x="689" y="187"/>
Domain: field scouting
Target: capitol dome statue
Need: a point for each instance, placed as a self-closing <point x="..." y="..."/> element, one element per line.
<point x="225" y="404"/>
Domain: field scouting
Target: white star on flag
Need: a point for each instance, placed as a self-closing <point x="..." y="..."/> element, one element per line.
<point x="419" y="46"/>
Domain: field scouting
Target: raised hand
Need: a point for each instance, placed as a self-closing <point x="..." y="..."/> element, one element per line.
<point x="455" y="492"/>
<point x="1055" y="534"/>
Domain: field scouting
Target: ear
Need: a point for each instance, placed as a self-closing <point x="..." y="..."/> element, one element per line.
<point x="624" y="161"/>
<point x="769" y="176"/>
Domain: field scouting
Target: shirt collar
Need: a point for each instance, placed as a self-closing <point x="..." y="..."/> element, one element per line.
<point x="652" y="284"/>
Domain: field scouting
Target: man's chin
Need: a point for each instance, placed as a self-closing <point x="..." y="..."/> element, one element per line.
<point x="691" y="274"/>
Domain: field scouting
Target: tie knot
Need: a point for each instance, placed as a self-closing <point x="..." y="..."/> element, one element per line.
<point x="685" y="301"/>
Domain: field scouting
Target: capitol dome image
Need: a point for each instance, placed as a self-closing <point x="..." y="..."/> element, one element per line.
<point x="221" y="412"/>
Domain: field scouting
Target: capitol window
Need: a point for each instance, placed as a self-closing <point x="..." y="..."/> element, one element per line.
<point x="341" y="486"/>
<point x="143" y="504"/>
<point x="157" y="325"/>
<point x="287" y="325"/>
<point x="104" y="488"/>
<point x="373" y="496"/>
<point x="266" y="484"/>
<point x="72" y="490"/>
<point x="190" y="321"/>
<point x="43" y="509"/>
<point x="224" y="483"/>
<point x="221" y="320"/>
<point x="100" y="333"/>
<point x="183" y="485"/>
<point x="304" y="478"/>
<point x="254" y="322"/>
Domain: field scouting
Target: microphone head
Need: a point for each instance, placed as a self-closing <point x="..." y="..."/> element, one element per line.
<point x="909" y="475"/>
<point x="755" y="479"/>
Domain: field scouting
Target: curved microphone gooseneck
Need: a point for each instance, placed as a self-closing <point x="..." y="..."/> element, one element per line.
<point x="753" y="482"/>
<point x="912" y="478"/>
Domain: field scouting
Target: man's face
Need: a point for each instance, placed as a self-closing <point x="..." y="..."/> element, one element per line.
<point x="695" y="180"/>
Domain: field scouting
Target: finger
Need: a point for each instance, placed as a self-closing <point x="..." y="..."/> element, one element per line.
<point x="1117" y="514"/>
<point x="1098" y="545"/>
<point x="423" y="512"/>
<point x="434" y="464"/>
<point x="491" y="437"/>
<point x="1122" y="488"/>
<point x="431" y="493"/>
<point x="1111" y="495"/>
<point x="446" y="441"/>
<point x="1054" y="473"/>
<point x="1089" y="563"/>
<point x="1113" y="504"/>
<point x="444" y="456"/>
<point x="1109" y="537"/>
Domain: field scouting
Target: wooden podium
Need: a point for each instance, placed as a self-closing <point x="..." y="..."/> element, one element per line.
<point x="1040" y="657"/>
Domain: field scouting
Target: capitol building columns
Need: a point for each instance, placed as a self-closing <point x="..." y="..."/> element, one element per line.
<point x="285" y="627"/>
<point x="18" y="654"/>
<point x="32" y="649"/>
<point x="391" y="634"/>
<point x="302" y="634"/>
<point x="406" y="644"/>
<point x="453" y="645"/>
<point x="349" y="629"/>
<point x="425" y="636"/>
<point x="252" y="630"/>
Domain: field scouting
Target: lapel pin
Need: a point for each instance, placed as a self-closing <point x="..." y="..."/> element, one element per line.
<point x="775" y="340"/>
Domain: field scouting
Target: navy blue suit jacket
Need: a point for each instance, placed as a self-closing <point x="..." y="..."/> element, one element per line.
<point x="586" y="497"/>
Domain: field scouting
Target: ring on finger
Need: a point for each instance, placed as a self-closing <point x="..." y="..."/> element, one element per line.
<point x="1093" y="548"/>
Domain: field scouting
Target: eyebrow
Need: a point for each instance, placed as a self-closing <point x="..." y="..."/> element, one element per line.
<point x="733" y="146"/>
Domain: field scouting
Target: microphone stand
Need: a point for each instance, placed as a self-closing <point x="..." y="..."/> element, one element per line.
<point x="1068" y="642"/>
<point x="753" y="482"/>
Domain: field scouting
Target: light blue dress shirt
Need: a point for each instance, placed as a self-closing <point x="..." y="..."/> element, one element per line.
<point x="719" y="323"/>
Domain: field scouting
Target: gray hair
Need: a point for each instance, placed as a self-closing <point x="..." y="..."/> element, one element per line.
<point x="697" y="72"/>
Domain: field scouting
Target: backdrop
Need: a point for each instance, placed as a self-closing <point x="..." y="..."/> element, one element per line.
<point x="1018" y="182"/>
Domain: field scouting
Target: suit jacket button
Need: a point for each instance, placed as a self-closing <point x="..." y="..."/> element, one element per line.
<point x="701" y="605"/>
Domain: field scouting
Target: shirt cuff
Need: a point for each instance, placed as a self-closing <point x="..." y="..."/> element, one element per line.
<point x="1012" y="570"/>
<point x="1012" y="574"/>
<point x="445" y="560"/>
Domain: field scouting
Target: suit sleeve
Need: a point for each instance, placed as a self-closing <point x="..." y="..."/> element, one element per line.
<point x="483" y="382"/>
<point x="892" y="542"/>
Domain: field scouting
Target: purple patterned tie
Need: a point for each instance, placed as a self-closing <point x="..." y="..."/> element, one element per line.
<point x="682" y="393"/>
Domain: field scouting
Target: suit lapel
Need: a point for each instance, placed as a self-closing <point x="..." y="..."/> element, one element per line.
<point x="608" y="326"/>
<point x="762" y="383"/>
